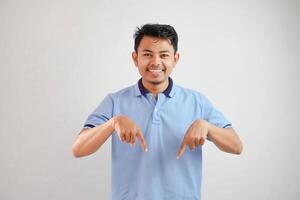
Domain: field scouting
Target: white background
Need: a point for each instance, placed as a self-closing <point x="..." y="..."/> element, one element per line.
<point x="60" y="58"/>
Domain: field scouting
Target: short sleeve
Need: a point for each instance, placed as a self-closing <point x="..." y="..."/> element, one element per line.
<point x="212" y="115"/>
<point x="101" y="114"/>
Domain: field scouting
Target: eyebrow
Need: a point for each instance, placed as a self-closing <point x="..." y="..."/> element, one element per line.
<point x="148" y="50"/>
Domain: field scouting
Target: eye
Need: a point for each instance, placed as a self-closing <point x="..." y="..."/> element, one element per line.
<point x="164" y="55"/>
<point x="146" y="54"/>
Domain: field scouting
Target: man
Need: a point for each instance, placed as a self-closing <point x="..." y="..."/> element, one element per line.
<point x="165" y="118"/>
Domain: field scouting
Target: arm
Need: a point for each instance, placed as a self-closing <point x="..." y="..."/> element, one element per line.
<point x="226" y="139"/>
<point x="90" y="139"/>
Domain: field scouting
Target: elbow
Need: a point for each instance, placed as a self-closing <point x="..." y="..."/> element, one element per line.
<point x="238" y="148"/>
<point x="76" y="151"/>
<point x="237" y="145"/>
<point x="80" y="150"/>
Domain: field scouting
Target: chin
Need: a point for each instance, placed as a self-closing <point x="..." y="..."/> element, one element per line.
<point x="156" y="82"/>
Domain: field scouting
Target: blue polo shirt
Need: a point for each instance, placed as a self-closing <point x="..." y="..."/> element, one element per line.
<point x="156" y="175"/>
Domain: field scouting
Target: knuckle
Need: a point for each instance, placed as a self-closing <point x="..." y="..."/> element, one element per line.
<point x="134" y="129"/>
<point x="122" y="134"/>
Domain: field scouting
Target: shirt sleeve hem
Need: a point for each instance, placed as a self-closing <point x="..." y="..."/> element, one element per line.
<point x="89" y="126"/>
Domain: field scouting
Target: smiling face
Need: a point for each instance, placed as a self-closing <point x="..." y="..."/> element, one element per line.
<point x="155" y="61"/>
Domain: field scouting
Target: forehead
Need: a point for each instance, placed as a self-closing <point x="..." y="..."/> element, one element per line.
<point x="155" y="44"/>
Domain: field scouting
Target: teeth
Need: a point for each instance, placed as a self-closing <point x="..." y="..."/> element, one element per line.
<point x="155" y="70"/>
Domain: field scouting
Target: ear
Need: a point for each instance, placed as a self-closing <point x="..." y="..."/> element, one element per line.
<point x="134" y="57"/>
<point x="176" y="58"/>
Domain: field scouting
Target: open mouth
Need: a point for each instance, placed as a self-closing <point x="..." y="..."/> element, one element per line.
<point x="155" y="72"/>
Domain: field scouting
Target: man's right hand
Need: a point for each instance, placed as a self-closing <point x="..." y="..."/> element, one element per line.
<point x="127" y="130"/>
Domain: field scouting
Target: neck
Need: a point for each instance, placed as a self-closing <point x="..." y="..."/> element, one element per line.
<point x="156" y="88"/>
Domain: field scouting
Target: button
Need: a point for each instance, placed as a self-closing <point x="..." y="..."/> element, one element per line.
<point x="155" y="109"/>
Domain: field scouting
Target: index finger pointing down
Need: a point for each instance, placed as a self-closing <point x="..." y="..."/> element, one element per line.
<point x="142" y="140"/>
<point x="181" y="150"/>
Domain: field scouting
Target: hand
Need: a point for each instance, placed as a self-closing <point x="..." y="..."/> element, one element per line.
<point x="127" y="130"/>
<point x="195" y="136"/>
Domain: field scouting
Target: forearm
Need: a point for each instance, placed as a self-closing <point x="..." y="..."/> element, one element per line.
<point x="91" y="139"/>
<point x="225" y="139"/>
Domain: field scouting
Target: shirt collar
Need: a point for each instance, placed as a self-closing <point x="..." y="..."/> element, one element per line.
<point x="166" y="92"/>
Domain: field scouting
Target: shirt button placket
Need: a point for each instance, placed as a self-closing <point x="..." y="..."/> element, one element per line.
<point x="156" y="113"/>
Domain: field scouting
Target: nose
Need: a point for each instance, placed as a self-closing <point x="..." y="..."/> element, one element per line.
<point x="156" y="61"/>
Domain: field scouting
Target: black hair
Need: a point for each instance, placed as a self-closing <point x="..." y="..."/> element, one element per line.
<point x="156" y="30"/>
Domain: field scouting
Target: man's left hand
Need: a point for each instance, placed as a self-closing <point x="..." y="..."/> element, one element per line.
<point x="195" y="136"/>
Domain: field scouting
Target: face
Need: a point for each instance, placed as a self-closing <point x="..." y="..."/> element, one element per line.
<point x="155" y="60"/>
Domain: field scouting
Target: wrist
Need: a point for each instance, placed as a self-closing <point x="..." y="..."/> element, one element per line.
<point x="203" y="122"/>
<point x="207" y="125"/>
<point x="210" y="130"/>
<point x="113" y="122"/>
